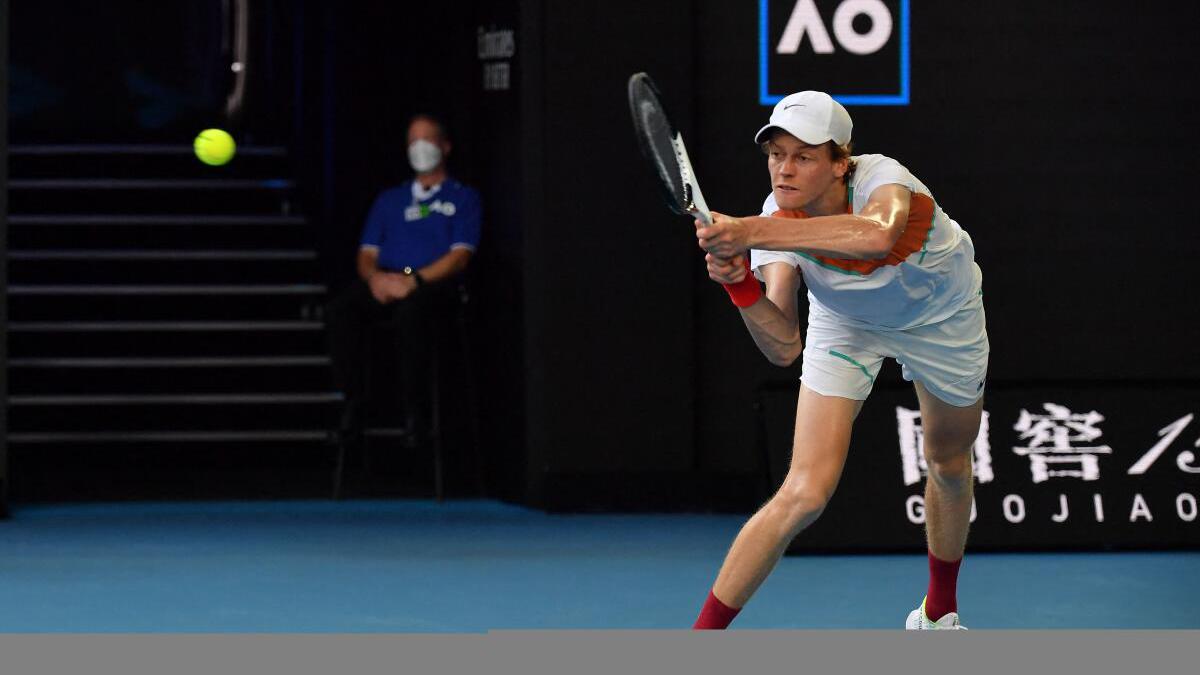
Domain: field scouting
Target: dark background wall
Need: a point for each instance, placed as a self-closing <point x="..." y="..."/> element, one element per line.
<point x="609" y="280"/>
<point x="613" y="374"/>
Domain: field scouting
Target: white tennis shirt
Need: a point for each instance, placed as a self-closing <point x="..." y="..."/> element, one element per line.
<point x="928" y="275"/>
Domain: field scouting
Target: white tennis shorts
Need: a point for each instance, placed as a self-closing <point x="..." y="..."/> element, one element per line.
<point x="949" y="357"/>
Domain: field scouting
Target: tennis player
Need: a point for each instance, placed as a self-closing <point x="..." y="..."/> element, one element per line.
<point x="889" y="274"/>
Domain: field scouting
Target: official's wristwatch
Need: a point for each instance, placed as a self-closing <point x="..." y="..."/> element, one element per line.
<point x="416" y="276"/>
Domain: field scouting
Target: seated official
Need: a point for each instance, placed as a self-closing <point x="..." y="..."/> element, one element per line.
<point x="418" y="237"/>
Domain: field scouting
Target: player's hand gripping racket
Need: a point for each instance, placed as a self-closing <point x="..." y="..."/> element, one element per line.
<point x="663" y="146"/>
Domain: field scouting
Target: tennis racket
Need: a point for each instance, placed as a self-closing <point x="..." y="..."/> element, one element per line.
<point x="663" y="147"/>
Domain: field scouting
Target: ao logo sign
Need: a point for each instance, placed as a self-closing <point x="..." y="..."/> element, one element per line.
<point x="857" y="50"/>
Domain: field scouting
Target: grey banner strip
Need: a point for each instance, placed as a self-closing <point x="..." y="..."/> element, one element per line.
<point x="611" y="652"/>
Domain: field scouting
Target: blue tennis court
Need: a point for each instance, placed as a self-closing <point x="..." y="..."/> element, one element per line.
<point x="463" y="566"/>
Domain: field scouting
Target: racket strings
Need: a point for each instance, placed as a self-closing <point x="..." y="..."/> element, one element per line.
<point x="658" y="140"/>
<point x="663" y="146"/>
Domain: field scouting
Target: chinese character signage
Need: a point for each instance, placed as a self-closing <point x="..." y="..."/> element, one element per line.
<point x="1050" y="437"/>
<point x="1054" y="469"/>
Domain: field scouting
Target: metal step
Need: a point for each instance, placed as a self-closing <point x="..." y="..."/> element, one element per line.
<point x="150" y="184"/>
<point x="276" y="398"/>
<point x="166" y="289"/>
<point x="164" y="219"/>
<point x="154" y="254"/>
<point x="184" y="197"/>
<point x="44" y="149"/>
<point x="387" y="432"/>
<point x="171" y="362"/>
<point x="41" y="437"/>
<point x="87" y="304"/>
<point x="142" y="161"/>
<point x="160" y="326"/>
<point x="87" y="375"/>
<point x="171" y="267"/>
<point x="261" y="339"/>
<point x="158" y="303"/>
<point x="158" y="233"/>
<point x="169" y="410"/>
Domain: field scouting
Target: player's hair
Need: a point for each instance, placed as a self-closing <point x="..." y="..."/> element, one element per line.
<point x="443" y="131"/>
<point x="840" y="152"/>
<point x="836" y="153"/>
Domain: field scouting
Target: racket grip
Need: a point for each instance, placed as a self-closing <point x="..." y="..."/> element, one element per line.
<point x="747" y="291"/>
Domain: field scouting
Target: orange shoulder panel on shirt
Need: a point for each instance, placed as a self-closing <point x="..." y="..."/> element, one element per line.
<point x="913" y="239"/>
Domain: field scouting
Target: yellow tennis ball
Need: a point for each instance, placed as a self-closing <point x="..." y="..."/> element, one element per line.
<point x="214" y="147"/>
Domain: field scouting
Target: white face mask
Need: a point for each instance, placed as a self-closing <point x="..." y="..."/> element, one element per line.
<point x="424" y="156"/>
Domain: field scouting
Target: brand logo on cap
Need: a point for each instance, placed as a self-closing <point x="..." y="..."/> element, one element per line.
<point x="858" y="50"/>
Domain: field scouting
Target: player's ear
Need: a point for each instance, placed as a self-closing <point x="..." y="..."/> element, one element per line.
<point x="841" y="166"/>
<point x="445" y="148"/>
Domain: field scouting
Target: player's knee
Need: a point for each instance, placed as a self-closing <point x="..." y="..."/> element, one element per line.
<point x="801" y="502"/>
<point x="951" y="470"/>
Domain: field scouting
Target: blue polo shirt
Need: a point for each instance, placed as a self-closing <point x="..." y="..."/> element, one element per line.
<point x="412" y="227"/>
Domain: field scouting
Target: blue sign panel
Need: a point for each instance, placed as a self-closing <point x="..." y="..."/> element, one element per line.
<point x="855" y="50"/>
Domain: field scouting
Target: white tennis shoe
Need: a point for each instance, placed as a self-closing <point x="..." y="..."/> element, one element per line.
<point x="918" y="621"/>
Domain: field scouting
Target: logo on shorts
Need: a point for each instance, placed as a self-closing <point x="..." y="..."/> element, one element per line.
<point x="856" y="50"/>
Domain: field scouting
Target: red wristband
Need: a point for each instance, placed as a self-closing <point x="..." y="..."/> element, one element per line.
<point x="747" y="291"/>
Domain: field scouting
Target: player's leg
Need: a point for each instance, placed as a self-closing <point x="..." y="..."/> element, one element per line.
<point x="839" y="369"/>
<point x="947" y="362"/>
<point x="949" y="432"/>
<point x="822" y="437"/>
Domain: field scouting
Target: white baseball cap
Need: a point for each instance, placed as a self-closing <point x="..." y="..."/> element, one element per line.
<point x="812" y="116"/>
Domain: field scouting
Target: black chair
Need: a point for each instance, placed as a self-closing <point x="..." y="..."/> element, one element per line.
<point x="459" y="327"/>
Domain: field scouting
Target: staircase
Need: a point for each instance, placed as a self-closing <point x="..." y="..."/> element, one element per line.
<point x="165" y="327"/>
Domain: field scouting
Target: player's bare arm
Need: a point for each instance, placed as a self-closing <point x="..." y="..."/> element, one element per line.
<point x="866" y="235"/>
<point x="773" y="321"/>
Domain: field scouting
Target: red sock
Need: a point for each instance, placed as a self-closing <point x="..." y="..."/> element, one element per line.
<point x="943" y="587"/>
<point x="715" y="614"/>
